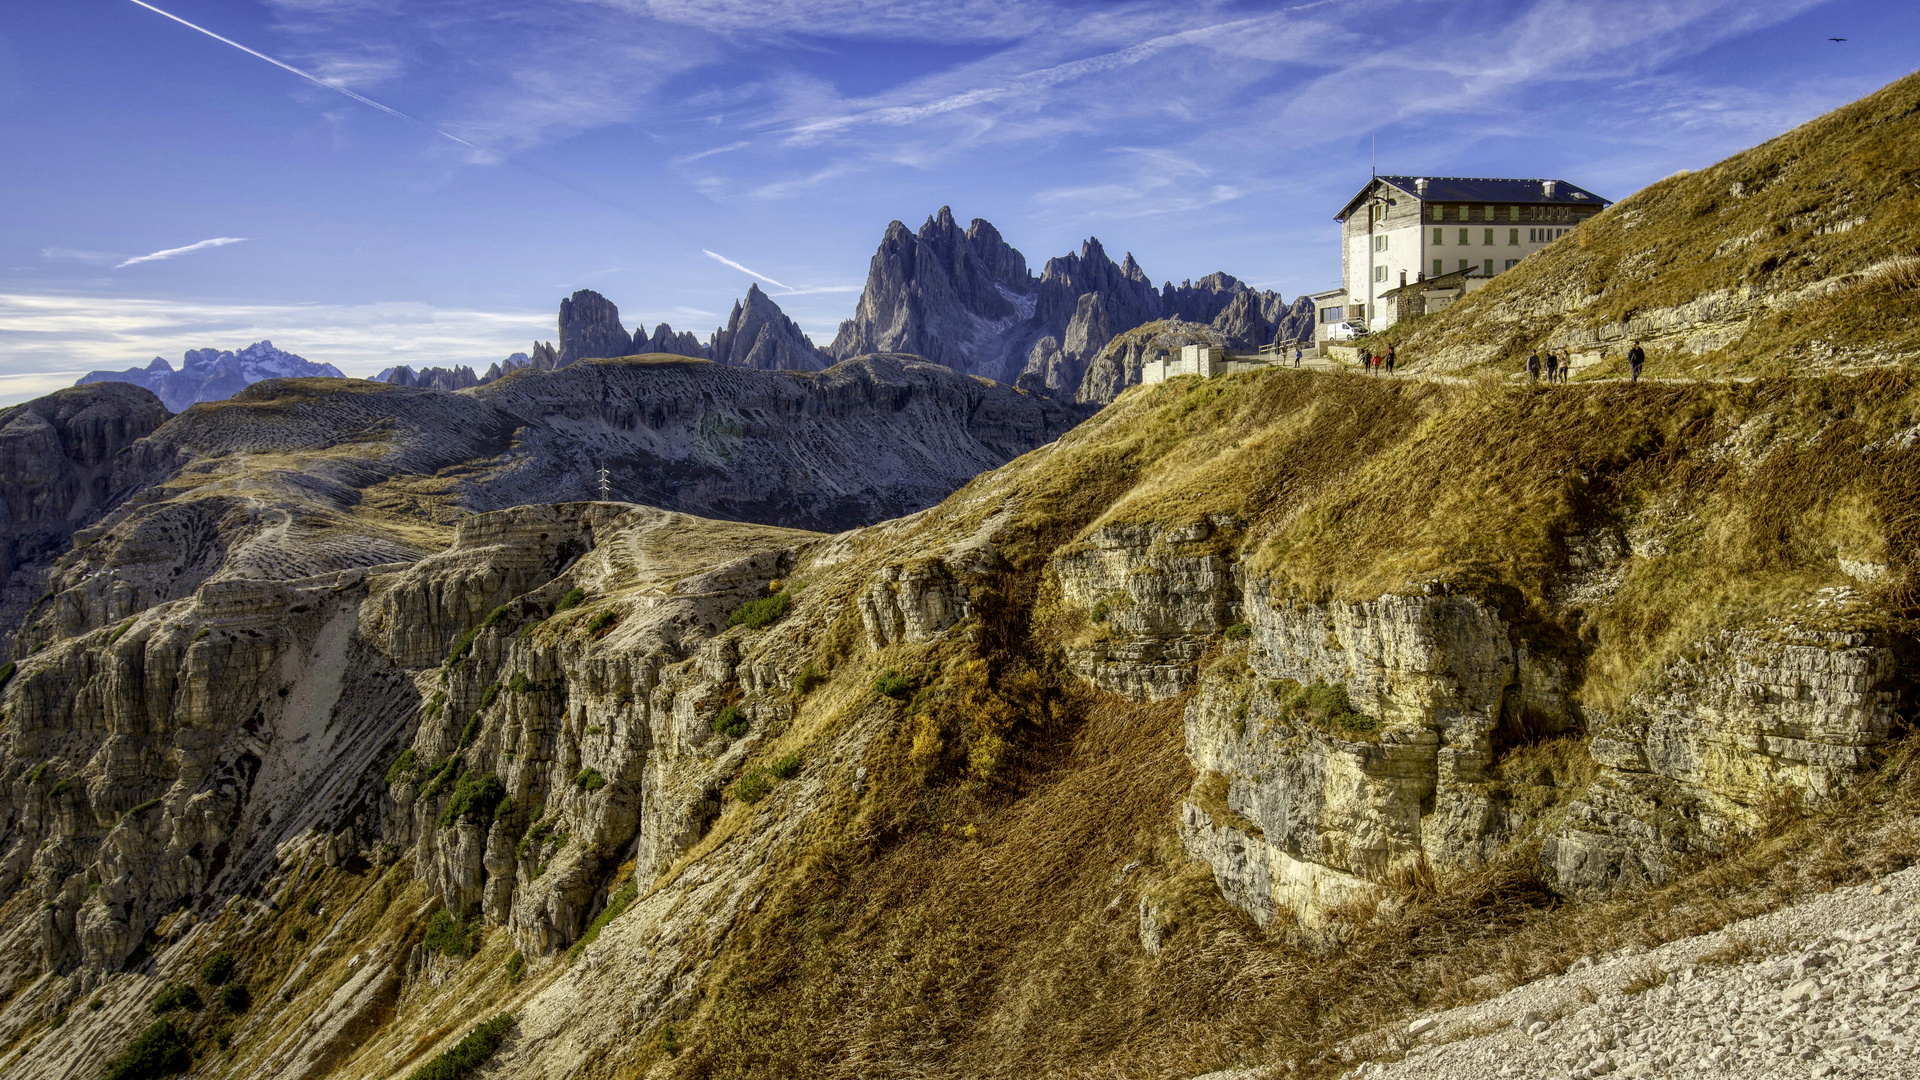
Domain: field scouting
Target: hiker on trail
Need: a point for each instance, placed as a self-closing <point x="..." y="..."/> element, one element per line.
<point x="1533" y="366"/>
<point x="1635" y="357"/>
<point x="1390" y="351"/>
<point x="1553" y="368"/>
<point x="1296" y="356"/>
<point x="1566" y="368"/>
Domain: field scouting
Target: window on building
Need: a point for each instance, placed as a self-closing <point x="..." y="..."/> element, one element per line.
<point x="1438" y="269"/>
<point x="1488" y="267"/>
<point x="1379" y="243"/>
<point x="1465" y="238"/>
<point x="1332" y="314"/>
<point x="1513" y="237"/>
<point x="1487" y="240"/>
<point x="1377" y="211"/>
<point x="1513" y="213"/>
<point x="1359" y="311"/>
<point x="1511" y="263"/>
<point x="1437" y="212"/>
<point x="1379" y="273"/>
<point x="1463" y="264"/>
<point x="1439" y="236"/>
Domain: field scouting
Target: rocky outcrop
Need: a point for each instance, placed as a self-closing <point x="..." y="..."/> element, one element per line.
<point x="590" y="326"/>
<point x="759" y="335"/>
<point x="214" y="375"/>
<point x="1341" y="747"/>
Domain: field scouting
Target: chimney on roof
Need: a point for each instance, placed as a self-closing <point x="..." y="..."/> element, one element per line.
<point x="1548" y="186"/>
<point x="1420" y="187"/>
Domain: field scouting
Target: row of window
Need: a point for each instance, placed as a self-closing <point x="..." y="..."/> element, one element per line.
<point x="1534" y="236"/>
<point x="1439" y="212"/>
<point x="1486" y="266"/>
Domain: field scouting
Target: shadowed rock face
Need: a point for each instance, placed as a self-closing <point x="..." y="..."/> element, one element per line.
<point x="57" y="457"/>
<point x="590" y="326"/>
<point x="759" y="335"/>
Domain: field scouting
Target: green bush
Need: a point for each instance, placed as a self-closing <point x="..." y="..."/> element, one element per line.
<point x="401" y="767"/>
<point x="570" y="601"/>
<point x="809" y="677"/>
<point x="223" y="1037"/>
<point x="201" y="634"/>
<point x="38" y="771"/>
<point x="59" y="1021"/>
<point x="217" y="969"/>
<point x="754" y="786"/>
<point x="894" y="685"/>
<point x="730" y="722"/>
<point x="504" y="810"/>
<point x="465" y="642"/>
<point x="755" y="614"/>
<point x="616" y="904"/>
<point x="786" y="767"/>
<point x="520" y="684"/>
<point x="159" y="1051"/>
<point x="58" y="789"/>
<point x="474" y="799"/>
<point x="1238" y="631"/>
<point x="492" y="693"/>
<point x="6" y="673"/>
<point x="235" y="999"/>
<point x="177" y="996"/>
<point x="441" y="774"/>
<point x="119" y="631"/>
<point x="471" y="731"/>
<point x="446" y="935"/>
<point x="1325" y="705"/>
<point x="312" y="906"/>
<point x="469" y="1053"/>
<point x="590" y="780"/>
<point x="433" y="705"/>
<point x="670" y="1040"/>
<point x="516" y="968"/>
<point x="143" y="808"/>
<point x="601" y="622"/>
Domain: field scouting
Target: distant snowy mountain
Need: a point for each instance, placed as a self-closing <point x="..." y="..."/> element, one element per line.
<point x="214" y="374"/>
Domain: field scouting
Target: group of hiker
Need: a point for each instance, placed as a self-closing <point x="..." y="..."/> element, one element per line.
<point x="1374" y="361"/>
<point x="1560" y="369"/>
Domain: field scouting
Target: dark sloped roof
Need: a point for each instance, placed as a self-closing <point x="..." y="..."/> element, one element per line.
<point x="1484" y="190"/>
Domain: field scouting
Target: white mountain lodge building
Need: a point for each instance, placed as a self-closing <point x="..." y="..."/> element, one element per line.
<point x="1409" y="230"/>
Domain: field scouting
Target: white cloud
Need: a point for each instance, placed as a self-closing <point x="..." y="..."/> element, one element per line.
<point x="218" y="241"/>
<point x="91" y="258"/>
<point x="730" y="147"/>
<point x="943" y="21"/>
<point x="49" y="340"/>
<point x="723" y="260"/>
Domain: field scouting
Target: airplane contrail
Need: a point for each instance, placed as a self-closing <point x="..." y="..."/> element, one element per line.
<point x="750" y="273"/>
<point x="315" y="79"/>
<point x="218" y="241"/>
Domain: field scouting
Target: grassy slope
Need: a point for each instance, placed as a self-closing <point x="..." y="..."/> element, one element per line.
<point x="1809" y="220"/>
<point x="949" y="925"/>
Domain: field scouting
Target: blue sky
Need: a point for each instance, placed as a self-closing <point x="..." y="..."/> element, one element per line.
<point x="550" y="145"/>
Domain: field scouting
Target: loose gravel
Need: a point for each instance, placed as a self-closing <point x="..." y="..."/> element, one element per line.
<point x="1828" y="989"/>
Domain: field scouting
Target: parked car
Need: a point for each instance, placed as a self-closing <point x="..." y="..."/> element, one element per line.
<point x="1345" y="331"/>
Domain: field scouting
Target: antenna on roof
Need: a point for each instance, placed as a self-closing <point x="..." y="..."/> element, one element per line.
<point x="1374" y="167"/>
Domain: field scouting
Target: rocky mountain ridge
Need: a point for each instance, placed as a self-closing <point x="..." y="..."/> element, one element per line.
<point x="966" y="299"/>
<point x="213" y="374"/>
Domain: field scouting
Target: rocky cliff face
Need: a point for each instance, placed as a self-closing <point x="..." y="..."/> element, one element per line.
<point x="213" y="374"/>
<point x="759" y="335"/>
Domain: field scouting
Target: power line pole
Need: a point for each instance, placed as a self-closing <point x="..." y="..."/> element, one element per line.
<point x="603" y="485"/>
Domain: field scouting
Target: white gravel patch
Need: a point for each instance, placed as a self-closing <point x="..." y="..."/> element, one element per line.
<point x="1829" y="989"/>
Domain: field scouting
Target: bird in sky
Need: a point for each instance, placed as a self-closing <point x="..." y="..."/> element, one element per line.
<point x="1836" y="39"/>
